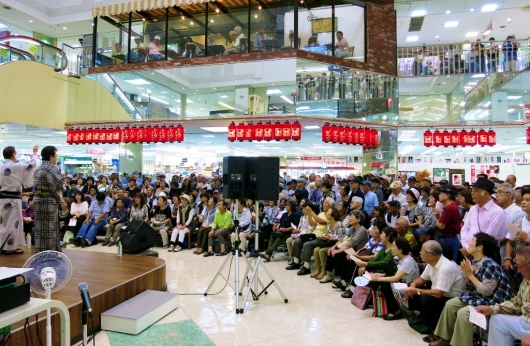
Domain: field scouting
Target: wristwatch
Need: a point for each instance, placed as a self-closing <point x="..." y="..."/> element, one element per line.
<point x="419" y="293"/>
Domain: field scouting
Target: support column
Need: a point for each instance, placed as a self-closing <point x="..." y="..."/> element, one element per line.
<point x="131" y="157"/>
<point x="183" y="105"/>
<point x="499" y="107"/>
<point x="241" y="101"/>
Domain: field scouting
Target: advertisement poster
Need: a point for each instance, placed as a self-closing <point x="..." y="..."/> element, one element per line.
<point x="440" y="174"/>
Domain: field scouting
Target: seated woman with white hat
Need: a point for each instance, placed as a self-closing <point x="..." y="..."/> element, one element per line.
<point x="184" y="223"/>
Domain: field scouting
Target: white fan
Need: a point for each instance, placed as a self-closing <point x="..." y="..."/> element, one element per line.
<point x="51" y="272"/>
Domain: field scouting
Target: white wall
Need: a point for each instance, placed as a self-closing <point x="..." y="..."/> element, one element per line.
<point x="350" y="21"/>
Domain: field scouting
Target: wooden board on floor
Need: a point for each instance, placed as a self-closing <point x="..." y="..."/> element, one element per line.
<point x="111" y="280"/>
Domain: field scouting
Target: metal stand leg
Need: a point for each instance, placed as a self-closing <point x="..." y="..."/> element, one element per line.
<point x="228" y="259"/>
<point x="85" y="327"/>
<point x="246" y="277"/>
<point x="254" y="276"/>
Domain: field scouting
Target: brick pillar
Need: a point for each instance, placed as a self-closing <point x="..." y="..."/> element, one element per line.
<point x="381" y="36"/>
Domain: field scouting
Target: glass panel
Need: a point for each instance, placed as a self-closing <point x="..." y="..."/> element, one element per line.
<point x="350" y="23"/>
<point x="186" y="33"/>
<point x="139" y="39"/>
<point x="315" y="27"/>
<point x="269" y="29"/>
<point x="111" y="42"/>
<point x="227" y="29"/>
<point x="155" y="29"/>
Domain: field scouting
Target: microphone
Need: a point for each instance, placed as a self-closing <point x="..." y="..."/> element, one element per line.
<point x="83" y="288"/>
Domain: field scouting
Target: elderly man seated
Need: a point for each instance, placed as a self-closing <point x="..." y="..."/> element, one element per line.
<point x="402" y="227"/>
<point x="447" y="282"/>
<point x="510" y="320"/>
<point x="236" y="48"/>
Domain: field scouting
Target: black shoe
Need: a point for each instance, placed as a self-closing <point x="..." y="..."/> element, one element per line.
<point x="304" y="271"/>
<point x="77" y="242"/>
<point x="293" y="266"/>
<point x="83" y="242"/>
<point x="396" y="316"/>
<point x="338" y="284"/>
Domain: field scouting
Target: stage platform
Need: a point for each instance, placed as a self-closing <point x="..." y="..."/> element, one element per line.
<point x="111" y="280"/>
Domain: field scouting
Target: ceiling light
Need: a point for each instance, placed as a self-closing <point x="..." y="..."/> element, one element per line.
<point x="216" y="129"/>
<point x="472" y="9"/>
<point x="472" y="34"/>
<point x="514" y="97"/>
<point x="511" y="110"/>
<point x="312" y="127"/>
<point x="208" y="136"/>
<point x="447" y="12"/>
<point x="211" y="21"/>
<point x="3" y="26"/>
<point x="29" y="20"/>
<point x="224" y="96"/>
<point x="226" y="106"/>
<point x="274" y="91"/>
<point x="412" y="38"/>
<point x="437" y="36"/>
<point x="509" y="20"/>
<point x="137" y="81"/>
<point x="489" y="7"/>
<point x="419" y="13"/>
<point x="453" y="24"/>
<point x="286" y="99"/>
<point x="64" y="28"/>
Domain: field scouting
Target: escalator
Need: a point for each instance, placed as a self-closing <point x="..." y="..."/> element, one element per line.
<point x="24" y="48"/>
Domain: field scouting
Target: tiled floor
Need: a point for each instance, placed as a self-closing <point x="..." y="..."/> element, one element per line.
<point x="315" y="314"/>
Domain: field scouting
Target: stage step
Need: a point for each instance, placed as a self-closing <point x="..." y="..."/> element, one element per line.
<point x="136" y="314"/>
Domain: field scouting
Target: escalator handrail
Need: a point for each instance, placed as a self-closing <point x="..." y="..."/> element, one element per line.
<point x="27" y="38"/>
<point x="18" y="51"/>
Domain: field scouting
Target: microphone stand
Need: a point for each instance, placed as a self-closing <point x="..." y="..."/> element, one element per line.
<point x="84" y="318"/>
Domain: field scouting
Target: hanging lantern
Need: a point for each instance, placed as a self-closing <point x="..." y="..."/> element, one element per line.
<point x="355" y="133"/>
<point x="482" y="138"/>
<point x="348" y="134"/>
<point x="286" y="131"/>
<point x="528" y="135"/>
<point x="180" y="133"/>
<point x="232" y="132"/>
<point x="249" y="131"/>
<point x="437" y="138"/>
<point x="335" y="134"/>
<point x="427" y="138"/>
<point x="362" y="137"/>
<point x="240" y="132"/>
<point x="342" y="134"/>
<point x="492" y="138"/>
<point x="376" y="139"/>
<point x="326" y="133"/>
<point x="464" y="140"/>
<point x="268" y="131"/>
<point x="258" y="131"/>
<point x="369" y="139"/>
<point x="296" y="131"/>
<point x="446" y="138"/>
<point x="472" y="138"/>
<point x="278" y="131"/>
<point x="455" y="138"/>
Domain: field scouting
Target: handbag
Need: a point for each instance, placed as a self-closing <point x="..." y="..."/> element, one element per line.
<point x="308" y="237"/>
<point x="361" y="297"/>
<point x="418" y="324"/>
<point x="379" y="303"/>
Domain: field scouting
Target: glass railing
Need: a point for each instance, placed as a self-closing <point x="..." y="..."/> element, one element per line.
<point x="8" y="54"/>
<point x="464" y="58"/>
<point x="41" y="52"/>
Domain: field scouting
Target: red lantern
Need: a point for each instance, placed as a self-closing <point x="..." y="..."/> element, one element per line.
<point x="335" y="134"/>
<point x="427" y="138"/>
<point x="528" y="135"/>
<point x="258" y="132"/>
<point x="482" y="138"/>
<point x="455" y="138"/>
<point x="286" y="131"/>
<point x="232" y="136"/>
<point x="348" y="134"/>
<point x="240" y="132"/>
<point x="326" y="133"/>
<point x="446" y="138"/>
<point x="278" y="131"/>
<point x="268" y="131"/>
<point x="472" y="138"/>
<point x="492" y="138"/>
<point x="180" y="133"/>
<point x="369" y="142"/>
<point x="464" y="138"/>
<point x="356" y="134"/>
<point x="342" y="134"/>
<point x="296" y="131"/>
<point x="438" y="138"/>
<point x="376" y="139"/>
<point x="157" y="134"/>
<point x="362" y="136"/>
<point x="249" y="130"/>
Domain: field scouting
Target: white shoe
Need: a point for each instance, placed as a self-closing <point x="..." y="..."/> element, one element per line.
<point x="171" y="248"/>
<point x="326" y="279"/>
<point x="178" y="248"/>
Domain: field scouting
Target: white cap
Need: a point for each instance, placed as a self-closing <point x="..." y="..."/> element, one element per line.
<point x="157" y="37"/>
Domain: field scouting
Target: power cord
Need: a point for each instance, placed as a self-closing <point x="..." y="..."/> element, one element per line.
<point x="25" y="334"/>
<point x="212" y="294"/>
<point x="37" y="321"/>
<point x="93" y="336"/>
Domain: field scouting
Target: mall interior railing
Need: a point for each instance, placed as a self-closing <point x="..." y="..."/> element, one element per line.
<point x="8" y="54"/>
<point x="42" y="52"/>
<point x="464" y="58"/>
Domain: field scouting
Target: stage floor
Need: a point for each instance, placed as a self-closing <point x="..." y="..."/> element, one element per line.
<point x="111" y="280"/>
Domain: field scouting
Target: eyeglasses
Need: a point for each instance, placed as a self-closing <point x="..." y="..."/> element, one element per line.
<point x="521" y="267"/>
<point x="423" y="251"/>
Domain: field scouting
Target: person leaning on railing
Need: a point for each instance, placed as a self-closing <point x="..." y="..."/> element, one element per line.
<point x="492" y="51"/>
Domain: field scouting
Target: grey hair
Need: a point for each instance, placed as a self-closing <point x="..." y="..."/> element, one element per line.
<point x="238" y="28"/>
<point x="357" y="199"/>
<point x="358" y="215"/>
<point x="331" y="201"/>
<point x="508" y="188"/>
<point x="433" y="247"/>
<point x="524" y="252"/>
<point x="404" y="219"/>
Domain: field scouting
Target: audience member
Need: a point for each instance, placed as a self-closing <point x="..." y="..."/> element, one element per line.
<point x="221" y="227"/>
<point x="448" y="222"/>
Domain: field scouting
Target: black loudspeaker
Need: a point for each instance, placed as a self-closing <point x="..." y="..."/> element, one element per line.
<point x="263" y="178"/>
<point x="138" y="236"/>
<point x="234" y="177"/>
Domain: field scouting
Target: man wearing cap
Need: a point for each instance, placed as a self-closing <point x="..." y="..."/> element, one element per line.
<point x="393" y="212"/>
<point x="384" y="180"/>
<point x="291" y="188"/>
<point x="67" y="185"/>
<point x="355" y="188"/>
<point x="370" y="199"/>
<point x="376" y="189"/>
<point x="485" y="216"/>
<point x="449" y="222"/>
<point x="138" y="52"/>
<point x="411" y="183"/>
<point x="301" y="192"/>
<point x="154" y="49"/>
<point x="397" y="195"/>
<point x="314" y="196"/>
<point x="427" y="182"/>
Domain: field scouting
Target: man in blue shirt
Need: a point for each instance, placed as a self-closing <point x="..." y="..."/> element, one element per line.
<point x="95" y="220"/>
<point x="301" y="192"/>
<point x="370" y="199"/>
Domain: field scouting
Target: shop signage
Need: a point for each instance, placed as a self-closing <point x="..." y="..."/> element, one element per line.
<point x="265" y="132"/>
<point x="368" y="138"/>
<point x="462" y="138"/>
<point x="95" y="151"/>
<point x="311" y="158"/>
<point x="377" y="164"/>
<point x="127" y="135"/>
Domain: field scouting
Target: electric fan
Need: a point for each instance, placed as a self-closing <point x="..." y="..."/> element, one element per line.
<point x="51" y="272"/>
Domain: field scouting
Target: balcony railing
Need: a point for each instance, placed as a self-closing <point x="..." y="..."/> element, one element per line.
<point x="40" y="51"/>
<point x="464" y="58"/>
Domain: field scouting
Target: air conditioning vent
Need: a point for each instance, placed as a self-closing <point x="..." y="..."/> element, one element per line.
<point x="416" y="23"/>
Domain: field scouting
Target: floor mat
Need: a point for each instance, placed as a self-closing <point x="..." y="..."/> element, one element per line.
<point x="175" y="333"/>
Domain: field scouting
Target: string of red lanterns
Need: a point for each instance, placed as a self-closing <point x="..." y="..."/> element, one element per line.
<point x="462" y="138"/>
<point x="265" y="132"/>
<point x="127" y="135"/>
<point x="528" y="135"/>
<point x="368" y="138"/>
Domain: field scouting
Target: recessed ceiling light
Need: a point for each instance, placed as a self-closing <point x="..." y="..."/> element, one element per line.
<point x="412" y="38"/>
<point x="514" y="97"/>
<point x="29" y="20"/>
<point x="224" y="96"/>
<point x="437" y="36"/>
<point x="419" y="13"/>
<point x="472" y="10"/>
<point x="274" y="91"/>
<point x="452" y="24"/>
<point x="312" y="127"/>
<point x="64" y="28"/>
<point x="2" y="26"/>
<point x="137" y="81"/>
<point x="509" y="20"/>
<point x="489" y="7"/>
<point x="472" y="34"/>
<point x="447" y="12"/>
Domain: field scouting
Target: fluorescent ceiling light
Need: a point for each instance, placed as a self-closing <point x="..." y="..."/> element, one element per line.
<point x="163" y="92"/>
<point x="312" y="127"/>
<point x="3" y="26"/>
<point x="286" y="99"/>
<point x="408" y="139"/>
<point x="208" y="136"/>
<point x="452" y="24"/>
<point x="224" y="96"/>
<point x="187" y="101"/>
<point x="511" y="110"/>
<point x="156" y="99"/>
<point x="412" y="38"/>
<point x="418" y="13"/>
<point x="274" y="92"/>
<point x="216" y="129"/>
<point x="137" y="81"/>
<point x="472" y="34"/>
<point x="226" y="106"/>
<point x="514" y="97"/>
<point x="489" y="7"/>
